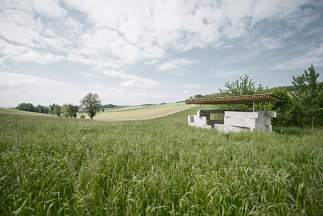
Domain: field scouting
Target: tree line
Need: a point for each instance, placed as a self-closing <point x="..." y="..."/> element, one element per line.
<point x="300" y="104"/>
<point x="90" y="104"/>
<point x="31" y="108"/>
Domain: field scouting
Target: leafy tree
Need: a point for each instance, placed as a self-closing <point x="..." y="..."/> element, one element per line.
<point x="198" y="96"/>
<point x="51" y="108"/>
<point x="64" y="110"/>
<point x="26" y="107"/>
<point x="308" y="96"/>
<point x="57" y="110"/>
<point x="74" y="110"/>
<point x="42" y="109"/>
<point x="69" y="110"/>
<point x="244" y="86"/>
<point x="283" y="107"/>
<point x="91" y="104"/>
<point x="109" y="106"/>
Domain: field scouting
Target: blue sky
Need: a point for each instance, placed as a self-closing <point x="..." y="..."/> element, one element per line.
<point x="135" y="52"/>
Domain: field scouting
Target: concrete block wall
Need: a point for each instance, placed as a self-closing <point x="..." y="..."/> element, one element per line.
<point x="236" y="121"/>
<point x="198" y="121"/>
<point x="252" y="120"/>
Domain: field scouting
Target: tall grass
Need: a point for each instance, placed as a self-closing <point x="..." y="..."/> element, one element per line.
<point x="54" y="166"/>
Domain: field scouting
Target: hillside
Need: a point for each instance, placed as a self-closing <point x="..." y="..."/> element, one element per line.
<point x="140" y="112"/>
<point x="119" y="114"/>
<point x="23" y="113"/>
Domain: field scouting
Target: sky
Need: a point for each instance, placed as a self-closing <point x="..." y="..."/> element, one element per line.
<point x="145" y="51"/>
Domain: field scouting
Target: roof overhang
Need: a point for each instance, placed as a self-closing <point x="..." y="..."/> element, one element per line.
<point x="247" y="99"/>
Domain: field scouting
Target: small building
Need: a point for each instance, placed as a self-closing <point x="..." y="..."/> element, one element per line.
<point x="234" y="120"/>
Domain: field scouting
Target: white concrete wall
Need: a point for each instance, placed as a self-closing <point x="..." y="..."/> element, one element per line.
<point x="237" y="121"/>
<point x="253" y="120"/>
<point x="234" y="114"/>
<point x="198" y="121"/>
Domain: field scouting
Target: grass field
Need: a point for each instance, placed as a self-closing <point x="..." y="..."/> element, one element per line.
<point x="119" y="113"/>
<point x="140" y="112"/>
<point x="58" y="166"/>
<point x="4" y="111"/>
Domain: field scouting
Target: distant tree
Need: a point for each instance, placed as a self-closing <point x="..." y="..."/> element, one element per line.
<point x="64" y="110"/>
<point x="51" y="108"/>
<point x="109" y="106"/>
<point x="91" y="104"/>
<point x="26" y="107"/>
<point x="308" y="95"/>
<point x="198" y="96"/>
<point x="42" y="109"/>
<point x="57" y="110"/>
<point x="69" y="110"/>
<point x="74" y="110"/>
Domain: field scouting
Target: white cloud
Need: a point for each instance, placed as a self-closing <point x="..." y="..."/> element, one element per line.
<point x="48" y="8"/>
<point x="313" y="56"/>
<point x="125" y="34"/>
<point x="227" y="73"/>
<point x="21" y="88"/>
<point x="130" y="31"/>
<point x="88" y="74"/>
<point x="40" y="58"/>
<point x="15" y="80"/>
<point x="132" y="80"/>
<point x="190" y="85"/>
<point x="141" y="83"/>
<point x="175" y="64"/>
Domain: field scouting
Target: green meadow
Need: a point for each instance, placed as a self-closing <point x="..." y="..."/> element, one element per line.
<point x="60" y="166"/>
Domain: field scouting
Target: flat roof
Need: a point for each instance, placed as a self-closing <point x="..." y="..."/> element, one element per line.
<point x="246" y="99"/>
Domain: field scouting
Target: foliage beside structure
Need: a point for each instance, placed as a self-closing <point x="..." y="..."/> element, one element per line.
<point x="300" y="104"/>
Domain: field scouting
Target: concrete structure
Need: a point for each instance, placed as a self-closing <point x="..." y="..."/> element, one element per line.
<point x="234" y="121"/>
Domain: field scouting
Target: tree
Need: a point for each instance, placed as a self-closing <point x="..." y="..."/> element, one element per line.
<point x="109" y="106"/>
<point x="91" y="104"/>
<point x="42" y="109"/>
<point x="69" y="110"/>
<point x="283" y="107"/>
<point x="244" y="86"/>
<point x="308" y="95"/>
<point x="57" y="110"/>
<point x="73" y="111"/>
<point x="26" y="107"/>
<point x="64" y="110"/>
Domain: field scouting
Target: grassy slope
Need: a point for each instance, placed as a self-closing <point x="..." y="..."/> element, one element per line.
<point x="19" y="112"/>
<point x="141" y="112"/>
<point x="162" y="166"/>
<point x="124" y="113"/>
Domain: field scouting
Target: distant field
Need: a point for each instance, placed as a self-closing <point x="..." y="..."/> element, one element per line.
<point x="61" y="166"/>
<point x="140" y="112"/>
<point x="119" y="114"/>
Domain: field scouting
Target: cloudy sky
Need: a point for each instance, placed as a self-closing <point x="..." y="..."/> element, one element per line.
<point x="136" y="52"/>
